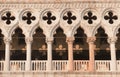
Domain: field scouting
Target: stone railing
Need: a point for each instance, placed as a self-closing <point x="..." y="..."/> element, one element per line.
<point x="38" y="65"/>
<point x="17" y="65"/>
<point x="102" y="65"/>
<point x="81" y="65"/>
<point x="59" y="65"/>
<point x="1" y="65"/>
<point x="118" y="65"/>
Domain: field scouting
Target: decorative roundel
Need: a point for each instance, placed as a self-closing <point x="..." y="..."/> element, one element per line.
<point x="90" y="17"/>
<point x="28" y="17"/>
<point x="110" y="17"/>
<point x="49" y="18"/>
<point x="69" y="17"/>
<point x="8" y="17"/>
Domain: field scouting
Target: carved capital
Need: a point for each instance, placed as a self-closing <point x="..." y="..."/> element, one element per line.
<point x="91" y="39"/>
<point x="7" y="40"/>
<point x="112" y="39"/>
<point x="49" y="40"/>
<point x="70" y="39"/>
<point x="28" y="39"/>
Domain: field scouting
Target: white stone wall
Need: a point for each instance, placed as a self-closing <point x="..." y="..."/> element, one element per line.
<point x="59" y="10"/>
<point x="59" y="74"/>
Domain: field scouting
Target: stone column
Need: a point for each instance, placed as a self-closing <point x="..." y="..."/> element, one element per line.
<point x="113" y="65"/>
<point x="7" y="54"/>
<point x="49" y="53"/>
<point x="90" y="41"/>
<point x="70" y="41"/>
<point x="28" y="53"/>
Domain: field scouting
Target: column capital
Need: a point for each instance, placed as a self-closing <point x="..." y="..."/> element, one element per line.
<point x="49" y="39"/>
<point x="112" y="39"/>
<point x="91" y="39"/>
<point x="7" y="40"/>
<point x="70" y="39"/>
<point x="28" y="39"/>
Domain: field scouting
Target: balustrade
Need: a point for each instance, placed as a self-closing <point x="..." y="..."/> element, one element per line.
<point x="2" y="65"/>
<point x="17" y="65"/>
<point x="39" y="65"/>
<point x="59" y="65"/>
<point x="81" y="65"/>
<point x="101" y="65"/>
<point x="118" y="65"/>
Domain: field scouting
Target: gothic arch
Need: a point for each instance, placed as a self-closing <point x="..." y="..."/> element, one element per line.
<point x="116" y="30"/>
<point x="13" y="29"/>
<point x="53" y="31"/>
<point x="33" y="30"/>
<point x="75" y="28"/>
<point x="95" y="30"/>
<point x="4" y="32"/>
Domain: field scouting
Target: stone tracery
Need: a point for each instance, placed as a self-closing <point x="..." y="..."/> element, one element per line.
<point x="69" y="28"/>
<point x="8" y="18"/>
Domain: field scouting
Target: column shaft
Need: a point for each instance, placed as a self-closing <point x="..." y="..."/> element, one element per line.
<point x="28" y="54"/>
<point x="90" y="41"/>
<point x="49" y="53"/>
<point x="7" y="54"/>
<point x="113" y="65"/>
<point x="70" y="53"/>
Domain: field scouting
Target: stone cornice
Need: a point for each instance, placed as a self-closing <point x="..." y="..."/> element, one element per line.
<point x="54" y="1"/>
<point x="59" y="5"/>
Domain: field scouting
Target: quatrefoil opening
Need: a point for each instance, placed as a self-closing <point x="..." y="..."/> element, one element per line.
<point x="110" y="17"/>
<point x="49" y="18"/>
<point x="28" y="18"/>
<point x="90" y="17"/>
<point x="69" y="17"/>
<point x="8" y="18"/>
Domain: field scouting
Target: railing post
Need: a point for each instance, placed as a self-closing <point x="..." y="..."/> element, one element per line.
<point x="90" y="41"/>
<point x="28" y="53"/>
<point x="70" y="53"/>
<point x="49" y="53"/>
<point x="113" y="64"/>
<point x="7" y="54"/>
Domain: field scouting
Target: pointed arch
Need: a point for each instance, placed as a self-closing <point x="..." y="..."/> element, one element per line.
<point x="33" y="30"/>
<point x="59" y="45"/>
<point x="81" y="48"/>
<point x="102" y="46"/>
<point x="54" y="30"/>
<point x="39" y="46"/>
<point x="18" y="45"/>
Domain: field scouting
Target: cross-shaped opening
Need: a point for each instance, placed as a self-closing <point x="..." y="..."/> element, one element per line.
<point x="110" y="17"/>
<point x="69" y="17"/>
<point x="28" y="18"/>
<point x="49" y="18"/>
<point x="8" y="18"/>
<point x="90" y="17"/>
